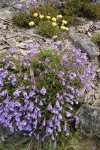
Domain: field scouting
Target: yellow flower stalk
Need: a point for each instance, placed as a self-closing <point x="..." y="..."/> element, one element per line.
<point x="54" y="19"/>
<point x="31" y="23"/>
<point x="62" y="27"/>
<point x="48" y="17"/>
<point x="35" y="14"/>
<point x="54" y="24"/>
<point x="41" y="17"/>
<point x="67" y="28"/>
<point x="64" y="22"/>
<point x="59" y="16"/>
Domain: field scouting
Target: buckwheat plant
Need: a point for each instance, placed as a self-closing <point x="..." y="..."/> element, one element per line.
<point x="40" y="89"/>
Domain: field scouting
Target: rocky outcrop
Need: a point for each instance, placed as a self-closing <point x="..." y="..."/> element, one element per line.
<point x="8" y="139"/>
<point x="83" y="42"/>
<point x="89" y="120"/>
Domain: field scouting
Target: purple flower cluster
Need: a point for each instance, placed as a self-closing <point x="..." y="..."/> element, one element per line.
<point x="42" y="102"/>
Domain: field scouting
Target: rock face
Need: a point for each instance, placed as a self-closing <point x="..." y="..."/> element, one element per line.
<point x="89" y="120"/>
<point x="82" y="41"/>
<point x="8" y="139"/>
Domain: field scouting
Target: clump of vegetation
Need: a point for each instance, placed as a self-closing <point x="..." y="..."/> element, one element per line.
<point x="90" y="10"/>
<point x="96" y="38"/>
<point x="70" y="9"/>
<point x="81" y="8"/>
<point x="39" y="90"/>
<point x="48" y="29"/>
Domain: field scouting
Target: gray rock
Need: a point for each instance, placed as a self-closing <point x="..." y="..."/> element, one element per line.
<point x="97" y="96"/>
<point x="3" y="47"/>
<point x="97" y="103"/>
<point x="11" y="42"/>
<point x="97" y="25"/>
<point x="89" y="120"/>
<point x="15" y="7"/>
<point x="98" y="1"/>
<point x="5" y="15"/>
<point x="1" y="25"/>
<point x="7" y="139"/>
<point x="83" y="42"/>
<point x="21" y="45"/>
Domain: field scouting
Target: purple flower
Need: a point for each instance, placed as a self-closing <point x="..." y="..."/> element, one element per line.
<point x="68" y="114"/>
<point x="12" y="50"/>
<point x="72" y="75"/>
<point x="31" y="106"/>
<point x="49" y="107"/>
<point x="76" y="102"/>
<point x="54" y="144"/>
<point x="44" y="122"/>
<point x="71" y="88"/>
<point x="64" y="58"/>
<point x="35" y="124"/>
<point x="28" y="13"/>
<point x="47" y="59"/>
<point x="70" y="96"/>
<point x="16" y="94"/>
<point x="54" y="111"/>
<point x="52" y="137"/>
<point x="76" y="117"/>
<point x="18" y="104"/>
<point x="25" y="95"/>
<point x="43" y="91"/>
<point x="49" y="130"/>
<point x="26" y="77"/>
<point x="31" y="94"/>
<point x="59" y="116"/>
<point x="36" y="5"/>
<point x="41" y="103"/>
<point x="59" y="129"/>
<point x="65" y="129"/>
<point x="6" y="101"/>
<point x="50" y="123"/>
<point x="60" y="73"/>
<point x="70" y="107"/>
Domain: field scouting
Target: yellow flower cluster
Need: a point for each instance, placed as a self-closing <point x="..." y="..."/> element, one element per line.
<point x="64" y="28"/>
<point x="53" y="19"/>
<point x="35" y="14"/>
<point x="41" y="17"/>
<point x="31" y="23"/>
<point x="54" y="24"/>
<point x="64" y="22"/>
<point x="59" y="16"/>
<point x="48" y="17"/>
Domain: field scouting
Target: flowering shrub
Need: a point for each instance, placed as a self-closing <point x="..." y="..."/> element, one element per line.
<point x="48" y="29"/>
<point x="39" y="90"/>
<point x="27" y="13"/>
<point x="69" y="9"/>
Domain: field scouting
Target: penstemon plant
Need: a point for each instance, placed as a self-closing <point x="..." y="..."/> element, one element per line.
<point x="40" y="89"/>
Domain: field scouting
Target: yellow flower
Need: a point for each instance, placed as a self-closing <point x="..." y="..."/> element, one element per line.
<point x="64" y="21"/>
<point x="54" y="24"/>
<point x="48" y="17"/>
<point x="35" y="14"/>
<point x="41" y="17"/>
<point x="67" y="28"/>
<point x="54" y="19"/>
<point x="59" y="16"/>
<point x="31" y="23"/>
<point x="63" y="27"/>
